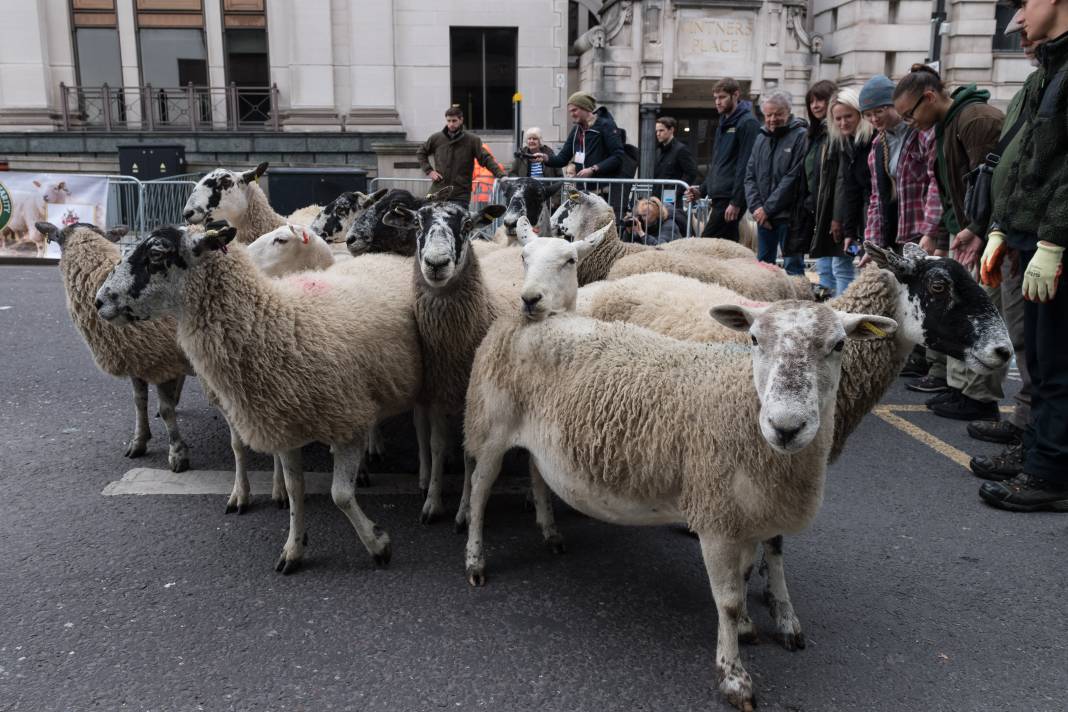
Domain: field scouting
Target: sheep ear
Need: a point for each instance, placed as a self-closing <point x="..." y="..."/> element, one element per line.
<point x="487" y="215"/>
<point x="62" y="185"/>
<point x="50" y="231"/>
<point x="865" y="327"/>
<point x="37" y="183"/>
<point x="366" y="201"/>
<point x="296" y="232"/>
<point x="401" y="218"/>
<point x="888" y="259"/>
<point x="523" y="231"/>
<point x="217" y="235"/>
<point x="588" y="244"/>
<point x="116" y="233"/>
<point x="736" y="316"/>
<point x="254" y="175"/>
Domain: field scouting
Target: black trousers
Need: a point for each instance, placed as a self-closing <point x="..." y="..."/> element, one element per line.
<point x="717" y="226"/>
<point x="1046" y="344"/>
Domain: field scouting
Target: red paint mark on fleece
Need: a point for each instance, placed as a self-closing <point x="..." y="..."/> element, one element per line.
<point x="769" y="266"/>
<point x="310" y="285"/>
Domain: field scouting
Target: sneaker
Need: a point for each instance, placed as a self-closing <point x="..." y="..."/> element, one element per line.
<point x="1001" y="431"/>
<point x="945" y="397"/>
<point x="1024" y="493"/>
<point x="965" y="408"/>
<point x="928" y="384"/>
<point x="915" y="367"/>
<point x="998" y="468"/>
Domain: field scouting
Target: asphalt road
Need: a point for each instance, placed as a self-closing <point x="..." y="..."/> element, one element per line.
<point x="912" y="593"/>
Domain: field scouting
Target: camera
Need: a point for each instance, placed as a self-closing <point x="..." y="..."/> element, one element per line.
<point x="522" y="154"/>
<point x="629" y="221"/>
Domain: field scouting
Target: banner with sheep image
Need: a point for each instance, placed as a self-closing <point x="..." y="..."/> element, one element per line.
<point x="61" y="199"/>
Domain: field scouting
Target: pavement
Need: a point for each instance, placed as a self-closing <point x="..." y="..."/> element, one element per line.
<point x="913" y="594"/>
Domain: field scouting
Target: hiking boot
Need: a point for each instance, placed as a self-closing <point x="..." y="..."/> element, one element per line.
<point x="928" y="384"/>
<point x="997" y="468"/>
<point x="915" y="367"/>
<point x="1025" y="493"/>
<point x="1001" y="431"/>
<point x="964" y="408"/>
<point x="945" y="397"/>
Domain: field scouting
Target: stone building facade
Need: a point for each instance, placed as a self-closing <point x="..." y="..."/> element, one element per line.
<point x="359" y="82"/>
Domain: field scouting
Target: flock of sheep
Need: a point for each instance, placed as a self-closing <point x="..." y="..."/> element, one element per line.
<point x="687" y="384"/>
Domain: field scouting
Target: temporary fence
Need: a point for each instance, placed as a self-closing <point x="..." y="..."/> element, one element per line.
<point x="623" y="195"/>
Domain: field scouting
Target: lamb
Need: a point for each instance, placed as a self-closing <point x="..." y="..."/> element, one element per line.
<point x="31" y="209"/>
<point x="247" y="336"/>
<point x="288" y="249"/>
<point x="146" y="353"/>
<point x="582" y="214"/>
<point x="627" y="426"/>
<point x="333" y="221"/>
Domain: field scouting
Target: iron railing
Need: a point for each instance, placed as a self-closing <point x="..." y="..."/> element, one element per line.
<point x="188" y="108"/>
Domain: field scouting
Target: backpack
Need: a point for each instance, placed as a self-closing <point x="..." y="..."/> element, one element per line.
<point x="631" y="156"/>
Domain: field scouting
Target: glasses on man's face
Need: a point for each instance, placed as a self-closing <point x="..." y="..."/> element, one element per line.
<point x="908" y="117"/>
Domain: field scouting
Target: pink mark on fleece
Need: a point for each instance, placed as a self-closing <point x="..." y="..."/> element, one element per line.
<point x="310" y="285"/>
<point x="770" y="267"/>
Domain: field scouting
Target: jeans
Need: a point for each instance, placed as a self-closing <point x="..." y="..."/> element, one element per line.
<point x="770" y="241"/>
<point x="1046" y="336"/>
<point x="836" y="273"/>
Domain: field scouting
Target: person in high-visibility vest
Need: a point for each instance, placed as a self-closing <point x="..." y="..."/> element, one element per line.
<point x="482" y="181"/>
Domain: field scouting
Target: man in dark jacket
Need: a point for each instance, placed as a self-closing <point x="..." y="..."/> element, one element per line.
<point x="594" y="143"/>
<point x="724" y="182"/>
<point x="771" y="179"/>
<point x="673" y="158"/>
<point x="1034" y="220"/>
<point x="454" y="152"/>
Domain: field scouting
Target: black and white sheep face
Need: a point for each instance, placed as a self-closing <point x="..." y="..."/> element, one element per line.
<point x="221" y="195"/>
<point x="147" y="283"/>
<point x="550" y="269"/>
<point x="442" y="237"/>
<point x="523" y="197"/>
<point x="797" y="362"/>
<point x="370" y="232"/>
<point x="581" y="214"/>
<point x="333" y="221"/>
<point x="944" y="308"/>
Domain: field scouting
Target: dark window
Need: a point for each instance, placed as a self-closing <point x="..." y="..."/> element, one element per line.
<point x="246" y="63"/>
<point x="98" y="57"/>
<point x="484" y="75"/>
<point x="1002" y="43"/>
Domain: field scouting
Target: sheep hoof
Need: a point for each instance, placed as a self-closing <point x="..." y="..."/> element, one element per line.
<point x="737" y="687"/>
<point x="178" y="463"/>
<point x="230" y="508"/>
<point x="556" y="544"/>
<point x="286" y="566"/>
<point x="282" y="503"/>
<point x="476" y="576"/>
<point x="750" y="637"/>
<point x="239" y="508"/>
<point x="460" y="525"/>
<point x="383" y="557"/>
<point x="793" y="641"/>
<point x="136" y="449"/>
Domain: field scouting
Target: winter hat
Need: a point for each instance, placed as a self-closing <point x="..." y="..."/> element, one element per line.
<point x="582" y="100"/>
<point x="879" y="91"/>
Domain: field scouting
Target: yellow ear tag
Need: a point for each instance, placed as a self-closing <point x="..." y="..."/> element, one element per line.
<point x="574" y="196"/>
<point x="211" y="233"/>
<point x="874" y="329"/>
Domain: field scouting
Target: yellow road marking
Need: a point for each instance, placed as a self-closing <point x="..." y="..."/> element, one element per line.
<point x="886" y="412"/>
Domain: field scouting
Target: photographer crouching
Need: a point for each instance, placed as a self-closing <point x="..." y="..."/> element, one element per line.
<point x="650" y="224"/>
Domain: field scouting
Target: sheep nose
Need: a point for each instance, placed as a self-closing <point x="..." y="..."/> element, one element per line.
<point x="787" y="435"/>
<point x="529" y="300"/>
<point x="510" y="220"/>
<point x="188" y="214"/>
<point x="99" y="303"/>
<point x="1003" y="353"/>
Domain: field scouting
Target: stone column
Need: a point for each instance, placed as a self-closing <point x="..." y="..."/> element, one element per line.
<point x="26" y="98"/>
<point x="302" y="64"/>
<point x="647" y="130"/>
<point x="372" y="103"/>
<point x="131" y="70"/>
<point x="967" y="51"/>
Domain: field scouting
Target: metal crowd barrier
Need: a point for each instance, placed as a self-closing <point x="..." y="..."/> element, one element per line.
<point x="162" y="202"/>
<point x="623" y="195"/>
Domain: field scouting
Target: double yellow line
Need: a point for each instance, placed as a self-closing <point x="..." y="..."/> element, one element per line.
<point x="887" y="413"/>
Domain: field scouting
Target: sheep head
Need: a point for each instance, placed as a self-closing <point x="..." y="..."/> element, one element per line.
<point x="288" y="249"/>
<point x="581" y="214"/>
<point x="797" y="362"/>
<point x="523" y="197"/>
<point x="550" y="268"/>
<point x="334" y="220"/>
<point x="221" y="195"/>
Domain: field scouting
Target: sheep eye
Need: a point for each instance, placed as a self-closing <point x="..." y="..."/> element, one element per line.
<point x="754" y="340"/>
<point x="936" y="287"/>
<point x="571" y="261"/>
<point x="279" y="241"/>
<point x="840" y="345"/>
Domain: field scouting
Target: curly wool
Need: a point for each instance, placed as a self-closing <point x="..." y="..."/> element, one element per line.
<point x="305" y="216"/>
<point x="747" y="277"/>
<point x="652" y="417"/>
<point x="710" y="247"/>
<point x="678" y="307"/>
<point x="316" y="356"/>
<point x="145" y="350"/>
<point x="596" y="265"/>
<point x="259" y="217"/>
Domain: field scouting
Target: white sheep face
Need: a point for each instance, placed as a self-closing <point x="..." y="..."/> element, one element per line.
<point x="54" y="193"/>
<point x="221" y="195"/>
<point x="581" y="214"/>
<point x="797" y="362"/>
<point x="550" y="268"/>
<point x="289" y="249"/>
<point x="148" y="282"/>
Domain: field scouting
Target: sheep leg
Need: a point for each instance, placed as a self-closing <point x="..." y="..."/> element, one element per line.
<point x="241" y="493"/>
<point x="142" y="434"/>
<point x="463" y="512"/>
<point x="375" y="446"/>
<point x="486" y="470"/>
<point x="421" y="417"/>
<point x="278" y="485"/>
<point x="178" y="450"/>
<point x="725" y="561"/>
<point x="543" y="508"/>
<point x="439" y="447"/>
<point x="343" y="491"/>
<point x="293" y="551"/>
<point x="179" y="384"/>
<point x="778" y="597"/>
<point x="747" y="631"/>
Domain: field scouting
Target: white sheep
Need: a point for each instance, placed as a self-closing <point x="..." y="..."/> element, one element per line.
<point x="748" y="277"/>
<point x="627" y="425"/>
<point x="291" y="360"/>
<point x="146" y="354"/>
<point x="29" y="209"/>
<point x="290" y="248"/>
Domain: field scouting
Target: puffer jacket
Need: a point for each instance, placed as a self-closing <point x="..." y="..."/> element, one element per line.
<point x="774" y="170"/>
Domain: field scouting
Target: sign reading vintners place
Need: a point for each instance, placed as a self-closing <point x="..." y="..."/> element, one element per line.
<point x="714" y="45"/>
<point x="29" y="198"/>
